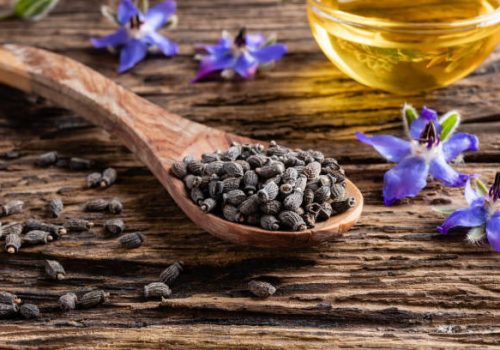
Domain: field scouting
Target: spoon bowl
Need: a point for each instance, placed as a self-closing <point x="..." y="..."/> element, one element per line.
<point x="157" y="137"/>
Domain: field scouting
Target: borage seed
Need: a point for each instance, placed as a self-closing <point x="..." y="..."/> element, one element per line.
<point x="171" y="273"/>
<point x="8" y="310"/>
<point x="12" y="228"/>
<point x="109" y="176"/>
<point x="157" y="290"/>
<point x="68" y="301"/>
<point x="292" y="220"/>
<point x="131" y="240"/>
<point x="11" y="207"/>
<point x="55" y="207"/>
<point x="29" y="311"/>
<point x="96" y="205"/>
<point x="13" y="243"/>
<point x="179" y="170"/>
<point x="79" y="163"/>
<point x="37" y="237"/>
<point x="233" y="169"/>
<point x="93" y="299"/>
<point x="271" y="207"/>
<point x="55" y="270"/>
<point x="115" y="206"/>
<point x="269" y="222"/>
<point x="342" y="206"/>
<point x="94" y="180"/>
<point x="261" y="289"/>
<point x="234" y="197"/>
<point x="293" y="201"/>
<point x="231" y="213"/>
<point x="114" y="226"/>
<point x="47" y="159"/>
<point x="208" y="205"/>
<point x="78" y="225"/>
<point x="269" y="192"/>
<point x="251" y="180"/>
<point x="9" y="298"/>
<point x="56" y="231"/>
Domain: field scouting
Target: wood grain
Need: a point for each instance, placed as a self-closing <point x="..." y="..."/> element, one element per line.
<point x="393" y="281"/>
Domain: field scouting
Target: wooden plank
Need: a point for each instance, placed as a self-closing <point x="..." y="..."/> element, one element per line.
<point x="393" y="281"/>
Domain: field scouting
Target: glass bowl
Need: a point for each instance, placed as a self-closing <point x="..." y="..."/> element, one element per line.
<point x="402" y="46"/>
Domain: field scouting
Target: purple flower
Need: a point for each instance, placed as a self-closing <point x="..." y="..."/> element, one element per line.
<point x="138" y="32"/>
<point x="432" y="146"/>
<point x="482" y="215"/>
<point x="242" y="55"/>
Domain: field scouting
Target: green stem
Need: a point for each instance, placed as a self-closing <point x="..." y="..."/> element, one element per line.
<point x="481" y="186"/>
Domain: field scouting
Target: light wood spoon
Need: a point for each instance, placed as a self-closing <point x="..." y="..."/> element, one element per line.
<point x="156" y="136"/>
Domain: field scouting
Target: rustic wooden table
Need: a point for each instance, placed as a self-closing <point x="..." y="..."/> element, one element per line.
<point x="392" y="281"/>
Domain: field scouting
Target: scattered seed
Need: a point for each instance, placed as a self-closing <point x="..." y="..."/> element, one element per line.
<point x="93" y="299"/>
<point x="55" y="207"/>
<point x="11" y="207"/>
<point x="115" y="206"/>
<point x="108" y="177"/>
<point x="29" y="311"/>
<point x="131" y="240"/>
<point x="47" y="159"/>
<point x="9" y="298"/>
<point x="94" y="180"/>
<point x="78" y="225"/>
<point x="8" y="310"/>
<point x="36" y="237"/>
<point x="114" y="226"/>
<point x="68" y="301"/>
<point x="157" y="290"/>
<point x="55" y="270"/>
<point x="13" y="243"/>
<point x="171" y="273"/>
<point x="96" y="205"/>
<point x="56" y="231"/>
<point x="79" y="163"/>
<point x="14" y="228"/>
<point x="261" y="289"/>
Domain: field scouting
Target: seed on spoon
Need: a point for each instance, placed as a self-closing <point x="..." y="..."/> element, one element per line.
<point x="55" y="207"/>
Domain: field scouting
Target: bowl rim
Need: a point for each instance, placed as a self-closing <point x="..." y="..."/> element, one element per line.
<point x="324" y="10"/>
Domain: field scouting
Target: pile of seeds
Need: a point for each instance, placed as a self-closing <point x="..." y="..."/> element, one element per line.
<point x="276" y="189"/>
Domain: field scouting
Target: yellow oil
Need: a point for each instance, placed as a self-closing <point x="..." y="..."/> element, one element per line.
<point x="383" y="54"/>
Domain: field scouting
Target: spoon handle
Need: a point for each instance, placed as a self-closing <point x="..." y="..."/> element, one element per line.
<point x="155" y="135"/>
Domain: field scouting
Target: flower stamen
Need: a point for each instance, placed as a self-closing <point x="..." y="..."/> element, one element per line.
<point x="495" y="189"/>
<point x="429" y="135"/>
<point x="240" y="40"/>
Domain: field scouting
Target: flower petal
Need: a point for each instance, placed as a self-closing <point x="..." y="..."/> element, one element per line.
<point x="270" y="53"/>
<point x="246" y="65"/>
<point x="131" y="54"/>
<point x="212" y="64"/>
<point x="390" y="147"/>
<point x="407" y="179"/>
<point x="472" y="196"/>
<point x="467" y="217"/>
<point x="459" y="143"/>
<point x="119" y="37"/>
<point x="493" y="231"/>
<point x="442" y="171"/>
<point x="126" y="10"/>
<point x="255" y="41"/>
<point x="158" y="15"/>
<point x="418" y="126"/>
<point x="166" y="46"/>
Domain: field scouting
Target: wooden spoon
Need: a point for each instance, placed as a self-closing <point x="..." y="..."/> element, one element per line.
<point x="153" y="134"/>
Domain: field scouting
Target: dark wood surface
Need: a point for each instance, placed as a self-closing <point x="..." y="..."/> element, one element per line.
<point x="392" y="281"/>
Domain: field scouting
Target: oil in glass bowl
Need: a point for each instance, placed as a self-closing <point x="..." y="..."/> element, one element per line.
<point x="405" y="46"/>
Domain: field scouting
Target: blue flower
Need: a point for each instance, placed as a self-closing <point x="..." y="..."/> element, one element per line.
<point x="432" y="146"/>
<point x="482" y="215"/>
<point x="138" y="32"/>
<point x="242" y="55"/>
